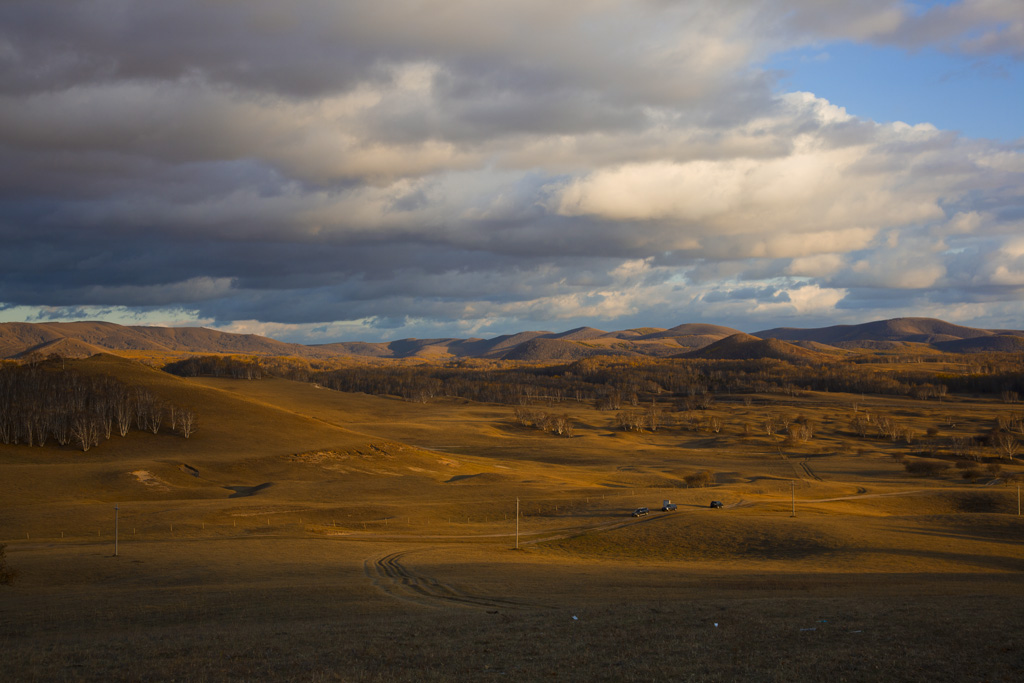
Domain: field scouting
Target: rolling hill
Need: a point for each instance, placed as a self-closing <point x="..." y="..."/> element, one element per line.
<point x="922" y="330"/>
<point x="748" y="347"/>
<point x="21" y="338"/>
<point x="997" y="343"/>
<point x="554" y="349"/>
<point x="83" y="339"/>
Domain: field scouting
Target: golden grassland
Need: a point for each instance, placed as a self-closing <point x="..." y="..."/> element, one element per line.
<point x="306" y="534"/>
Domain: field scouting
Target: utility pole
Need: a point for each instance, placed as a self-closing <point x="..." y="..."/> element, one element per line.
<point x="1018" y="500"/>
<point x="517" y="524"/>
<point x="116" y="508"/>
<point x="792" y="488"/>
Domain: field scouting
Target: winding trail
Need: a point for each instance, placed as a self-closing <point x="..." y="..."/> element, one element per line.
<point x="393" y="576"/>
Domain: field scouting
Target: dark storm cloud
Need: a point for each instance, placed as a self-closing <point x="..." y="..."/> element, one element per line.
<point x="481" y="163"/>
<point x="262" y="45"/>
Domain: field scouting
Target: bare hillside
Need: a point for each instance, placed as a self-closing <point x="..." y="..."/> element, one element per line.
<point x="746" y="347"/>
<point x="997" y="343"/>
<point x="552" y="349"/>
<point x="694" y="330"/>
<point x="926" y="330"/>
<point x="926" y="335"/>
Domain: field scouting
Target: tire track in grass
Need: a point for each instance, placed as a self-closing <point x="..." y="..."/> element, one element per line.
<point x="807" y="469"/>
<point x="393" y="576"/>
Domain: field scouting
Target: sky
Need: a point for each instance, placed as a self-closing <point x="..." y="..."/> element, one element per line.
<point x="321" y="171"/>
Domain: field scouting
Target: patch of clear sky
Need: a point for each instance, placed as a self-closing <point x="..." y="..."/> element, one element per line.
<point x="981" y="97"/>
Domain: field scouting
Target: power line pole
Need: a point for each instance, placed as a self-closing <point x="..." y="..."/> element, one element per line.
<point x="116" y="508"/>
<point x="517" y="524"/>
<point x="792" y="488"/>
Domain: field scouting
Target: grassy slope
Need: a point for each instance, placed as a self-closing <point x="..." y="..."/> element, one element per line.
<point x="386" y="528"/>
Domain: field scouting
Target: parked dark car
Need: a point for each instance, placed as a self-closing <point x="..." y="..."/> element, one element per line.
<point x="668" y="507"/>
<point x="640" y="512"/>
<point x="716" y="504"/>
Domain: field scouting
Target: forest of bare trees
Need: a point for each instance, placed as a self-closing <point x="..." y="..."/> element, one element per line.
<point x="615" y="383"/>
<point x="40" y="404"/>
<point x="647" y="394"/>
<point x="545" y="421"/>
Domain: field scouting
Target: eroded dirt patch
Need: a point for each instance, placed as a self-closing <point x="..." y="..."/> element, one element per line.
<point x="149" y="479"/>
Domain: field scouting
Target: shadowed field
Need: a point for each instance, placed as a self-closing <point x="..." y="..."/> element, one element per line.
<point x="306" y="534"/>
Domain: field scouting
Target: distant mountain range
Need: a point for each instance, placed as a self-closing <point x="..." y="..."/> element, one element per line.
<point x="692" y="340"/>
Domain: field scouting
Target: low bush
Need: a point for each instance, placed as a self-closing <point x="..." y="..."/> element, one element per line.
<point x="699" y="480"/>
<point x="925" y="468"/>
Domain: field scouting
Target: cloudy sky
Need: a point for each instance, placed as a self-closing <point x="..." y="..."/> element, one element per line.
<point x="320" y="170"/>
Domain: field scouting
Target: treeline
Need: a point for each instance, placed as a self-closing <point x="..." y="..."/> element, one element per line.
<point x="614" y="383"/>
<point x="244" y="367"/>
<point x="40" y="404"/>
<point x="217" y="366"/>
<point x="512" y="386"/>
<point x="617" y="383"/>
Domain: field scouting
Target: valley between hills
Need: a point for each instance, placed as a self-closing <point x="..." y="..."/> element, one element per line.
<point x="462" y="509"/>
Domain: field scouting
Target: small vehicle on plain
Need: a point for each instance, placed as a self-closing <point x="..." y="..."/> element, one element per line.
<point x="717" y="504"/>
<point x="640" y="512"/>
<point x="668" y="506"/>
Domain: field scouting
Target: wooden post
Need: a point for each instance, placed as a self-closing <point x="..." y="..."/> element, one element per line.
<point x="517" y="524"/>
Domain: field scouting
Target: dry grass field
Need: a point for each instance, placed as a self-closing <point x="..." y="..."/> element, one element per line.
<point x="307" y="534"/>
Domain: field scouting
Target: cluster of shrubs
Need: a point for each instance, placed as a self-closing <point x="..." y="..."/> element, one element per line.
<point x="926" y="468"/>
<point x="971" y="470"/>
<point x="544" y="421"/>
<point x="699" y="480"/>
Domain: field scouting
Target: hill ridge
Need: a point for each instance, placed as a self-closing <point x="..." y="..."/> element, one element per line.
<point x="83" y="338"/>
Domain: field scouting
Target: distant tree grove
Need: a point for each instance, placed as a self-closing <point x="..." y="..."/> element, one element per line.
<point x="217" y="366"/>
<point x="616" y="382"/>
<point x="648" y="394"/>
<point x="39" y="404"/>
